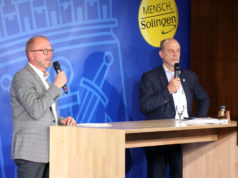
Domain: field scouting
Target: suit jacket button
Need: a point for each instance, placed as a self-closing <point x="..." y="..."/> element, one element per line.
<point x="54" y="121"/>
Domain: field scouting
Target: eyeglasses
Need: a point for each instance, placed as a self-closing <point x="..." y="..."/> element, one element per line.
<point x="45" y="51"/>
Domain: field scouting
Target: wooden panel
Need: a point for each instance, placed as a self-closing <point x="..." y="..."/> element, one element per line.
<point x="169" y="138"/>
<point x="214" y="57"/>
<point x="214" y="159"/>
<point x="83" y="152"/>
<point x="78" y="152"/>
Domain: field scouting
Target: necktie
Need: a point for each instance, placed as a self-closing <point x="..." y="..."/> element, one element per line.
<point x="46" y="74"/>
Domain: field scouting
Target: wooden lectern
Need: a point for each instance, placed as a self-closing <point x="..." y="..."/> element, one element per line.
<point x="210" y="150"/>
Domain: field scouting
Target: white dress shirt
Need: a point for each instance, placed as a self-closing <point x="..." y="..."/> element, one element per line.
<point x="43" y="79"/>
<point x="180" y="101"/>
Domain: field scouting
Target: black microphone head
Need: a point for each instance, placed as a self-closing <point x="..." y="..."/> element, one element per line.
<point x="56" y="66"/>
<point x="176" y="67"/>
<point x="176" y="70"/>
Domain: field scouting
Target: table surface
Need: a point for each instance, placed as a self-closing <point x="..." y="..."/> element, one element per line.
<point x="159" y="125"/>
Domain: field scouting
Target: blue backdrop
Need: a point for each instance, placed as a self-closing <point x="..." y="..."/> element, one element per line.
<point x="99" y="45"/>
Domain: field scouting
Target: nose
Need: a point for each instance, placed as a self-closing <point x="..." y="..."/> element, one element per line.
<point x="175" y="54"/>
<point x="50" y="53"/>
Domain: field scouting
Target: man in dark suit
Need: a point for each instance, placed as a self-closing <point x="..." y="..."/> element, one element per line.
<point x="34" y="109"/>
<point x="164" y="97"/>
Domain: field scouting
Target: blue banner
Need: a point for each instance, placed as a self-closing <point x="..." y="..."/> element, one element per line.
<point x="100" y="47"/>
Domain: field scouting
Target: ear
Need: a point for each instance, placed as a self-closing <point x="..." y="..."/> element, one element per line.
<point x="30" y="56"/>
<point x="161" y="54"/>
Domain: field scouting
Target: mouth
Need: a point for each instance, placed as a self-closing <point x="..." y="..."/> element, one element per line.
<point x="48" y="62"/>
<point x="176" y="60"/>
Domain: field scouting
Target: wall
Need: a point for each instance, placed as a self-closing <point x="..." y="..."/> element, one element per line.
<point x="214" y="56"/>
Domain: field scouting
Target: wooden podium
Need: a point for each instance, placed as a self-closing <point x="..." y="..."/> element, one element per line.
<point x="210" y="150"/>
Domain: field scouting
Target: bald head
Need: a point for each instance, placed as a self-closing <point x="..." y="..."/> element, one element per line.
<point x="170" y="52"/>
<point x="165" y="42"/>
<point x="32" y="43"/>
<point x="39" y="52"/>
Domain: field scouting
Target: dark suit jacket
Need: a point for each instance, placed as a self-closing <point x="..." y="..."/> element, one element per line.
<point x="156" y="101"/>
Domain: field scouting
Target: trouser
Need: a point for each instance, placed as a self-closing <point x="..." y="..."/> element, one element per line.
<point x="29" y="169"/>
<point x="162" y="157"/>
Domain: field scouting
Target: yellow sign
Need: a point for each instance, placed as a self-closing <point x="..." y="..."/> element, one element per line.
<point x="158" y="20"/>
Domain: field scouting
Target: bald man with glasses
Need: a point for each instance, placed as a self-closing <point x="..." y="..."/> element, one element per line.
<point x="34" y="109"/>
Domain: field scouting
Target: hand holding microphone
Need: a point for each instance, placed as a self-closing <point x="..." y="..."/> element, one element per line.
<point x="175" y="82"/>
<point x="60" y="79"/>
<point x="174" y="85"/>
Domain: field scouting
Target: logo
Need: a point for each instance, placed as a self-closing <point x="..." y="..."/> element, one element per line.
<point x="158" y="20"/>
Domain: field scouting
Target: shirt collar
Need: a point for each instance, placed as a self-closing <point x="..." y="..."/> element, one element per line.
<point x="167" y="70"/>
<point x="39" y="72"/>
<point x="169" y="74"/>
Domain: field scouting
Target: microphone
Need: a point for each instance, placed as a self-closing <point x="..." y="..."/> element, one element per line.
<point x="176" y="70"/>
<point x="57" y="70"/>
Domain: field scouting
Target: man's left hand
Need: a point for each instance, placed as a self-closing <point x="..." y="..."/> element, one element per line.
<point x="68" y="121"/>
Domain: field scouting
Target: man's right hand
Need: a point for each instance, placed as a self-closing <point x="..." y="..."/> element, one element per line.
<point x="60" y="79"/>
<point x="174" y="85"/>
